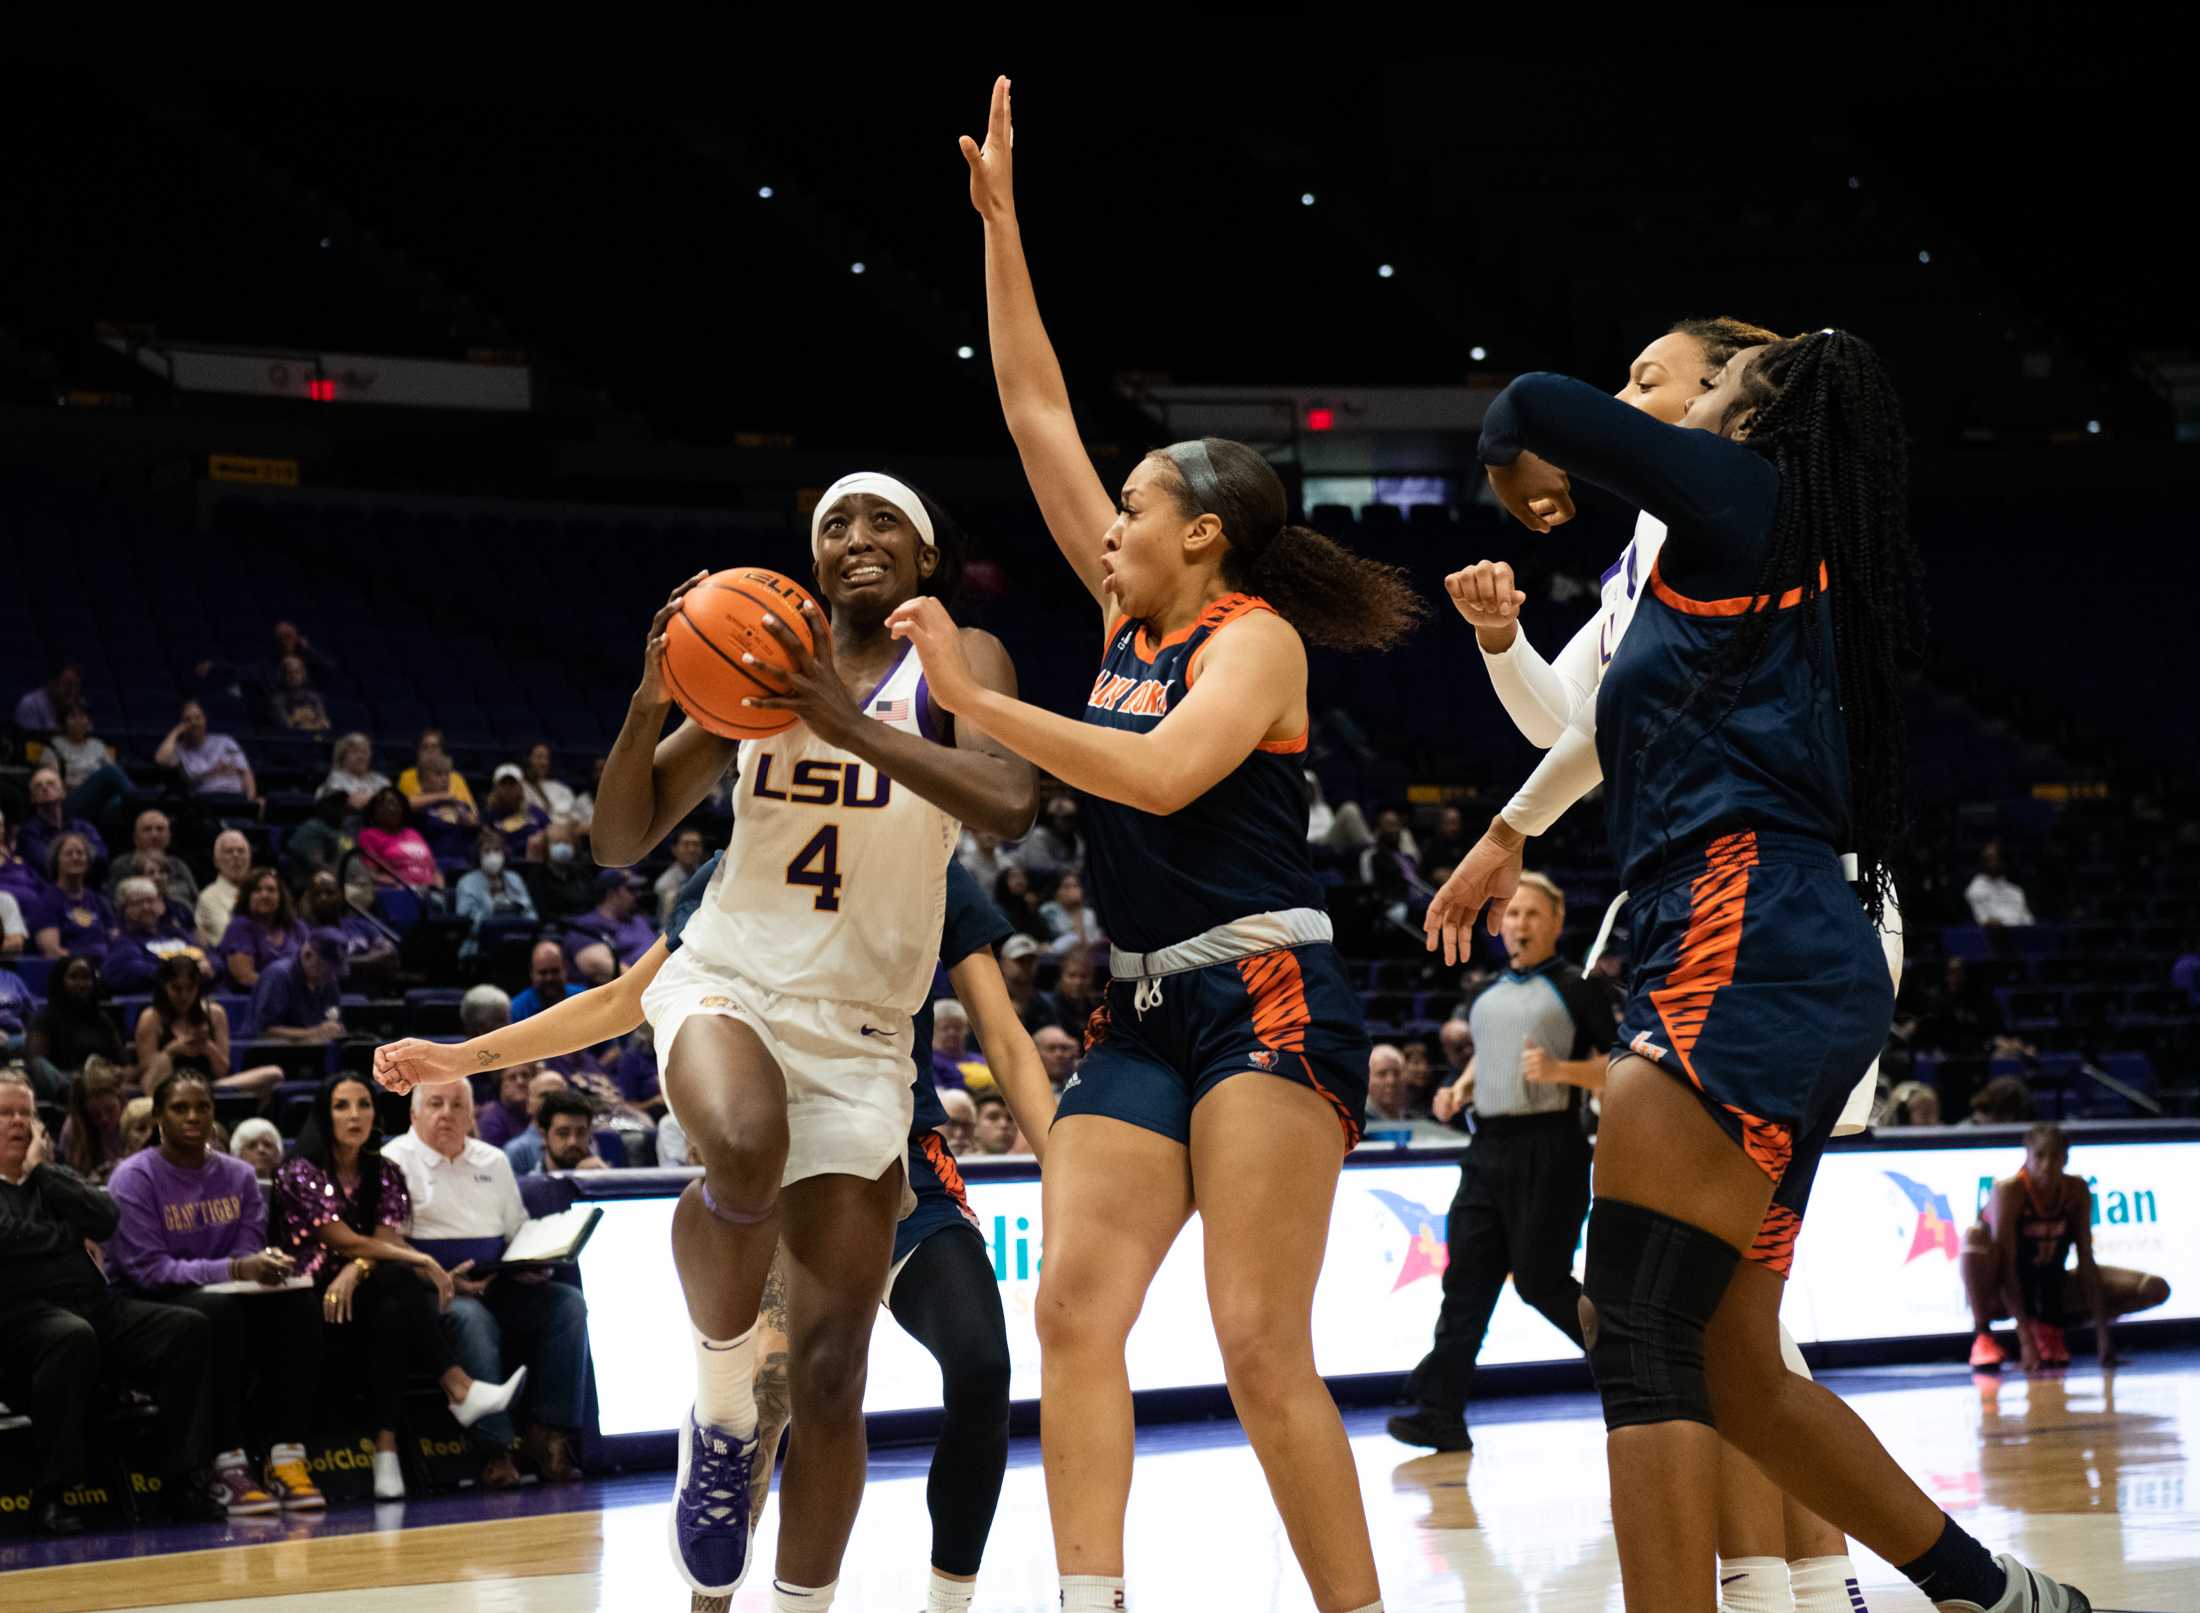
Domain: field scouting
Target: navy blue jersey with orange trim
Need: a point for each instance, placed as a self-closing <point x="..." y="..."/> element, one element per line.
<point x="1677" y="775"/>
<point x="1239" y="849"/>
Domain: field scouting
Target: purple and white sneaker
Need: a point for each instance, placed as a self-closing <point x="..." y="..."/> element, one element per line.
<point x="710" y="1508"/>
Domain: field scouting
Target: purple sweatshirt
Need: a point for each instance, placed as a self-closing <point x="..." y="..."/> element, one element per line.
<point x="181" y="1227"/>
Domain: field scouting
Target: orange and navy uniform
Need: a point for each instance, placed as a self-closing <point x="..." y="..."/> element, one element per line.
<point x="1757" y="979"/>
<point x="2046" y="1230"/>
<point x="1161" y="879"/>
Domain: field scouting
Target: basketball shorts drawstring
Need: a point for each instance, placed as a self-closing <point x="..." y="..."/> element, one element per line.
<point x="1148" y="994"/>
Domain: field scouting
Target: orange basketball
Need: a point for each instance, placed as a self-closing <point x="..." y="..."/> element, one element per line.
<point x="719" y="619"/>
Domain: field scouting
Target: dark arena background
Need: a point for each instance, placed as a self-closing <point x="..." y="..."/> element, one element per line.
<point x="372" y="420"/>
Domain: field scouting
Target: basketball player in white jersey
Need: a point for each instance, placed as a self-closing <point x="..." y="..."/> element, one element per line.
<point x="783" y="1023"/>
<point x="1774" y="1554"/>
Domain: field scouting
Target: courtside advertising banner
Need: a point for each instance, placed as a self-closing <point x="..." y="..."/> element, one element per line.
<point x="1877" y="1260"/>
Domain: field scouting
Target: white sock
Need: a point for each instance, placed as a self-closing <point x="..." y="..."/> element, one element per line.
<point x="231" y="1459"/>
<point x="949" y="1595"/>
<point x="725" y="1382"/>
<point x="1092" y="1593"/>
<point x="802" y="1598"/>
<point x="1825" y="1585"/>
<point x="1753" y="1585"/>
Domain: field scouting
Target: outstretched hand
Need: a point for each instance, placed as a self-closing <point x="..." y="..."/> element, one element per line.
<point x="400" y="1066"/>
<point x="924" y="622"/>
<point x="992" y="167"/>
<point x="1488" y="874"/>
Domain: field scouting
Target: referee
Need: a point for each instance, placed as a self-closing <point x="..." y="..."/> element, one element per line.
<point x="1540" y="1036"/>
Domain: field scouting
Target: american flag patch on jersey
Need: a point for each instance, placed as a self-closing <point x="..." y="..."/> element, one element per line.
<point x="892" y="710"/>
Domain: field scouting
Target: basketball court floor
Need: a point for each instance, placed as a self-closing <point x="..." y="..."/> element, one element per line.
<point x="2093" y="1478"/>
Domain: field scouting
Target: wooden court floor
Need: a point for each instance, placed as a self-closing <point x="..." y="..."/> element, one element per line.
<point x="2093" y="1479"/>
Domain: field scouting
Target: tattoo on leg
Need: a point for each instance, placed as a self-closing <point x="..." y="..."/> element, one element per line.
<point x="772" y="1311"/>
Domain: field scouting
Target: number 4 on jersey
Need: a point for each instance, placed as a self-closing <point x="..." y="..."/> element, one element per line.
<point x="818" y="864"/>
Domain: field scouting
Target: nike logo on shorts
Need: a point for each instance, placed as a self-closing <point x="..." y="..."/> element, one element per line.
<point x="873" y="1030"/>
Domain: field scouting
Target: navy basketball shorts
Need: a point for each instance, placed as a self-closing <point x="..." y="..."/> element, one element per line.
<point x="1289" y="1013"/>
<point x="1760" y="984"/>
<point x="942" y="1202"/>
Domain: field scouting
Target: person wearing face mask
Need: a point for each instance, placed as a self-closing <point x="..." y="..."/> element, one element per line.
<point x="493" y="889"/>
<point x="563" y="884"/>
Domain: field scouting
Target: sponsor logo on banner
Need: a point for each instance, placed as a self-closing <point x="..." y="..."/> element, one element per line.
<point x="1426" y="1253"/>
<point x="1936" y="1223"/>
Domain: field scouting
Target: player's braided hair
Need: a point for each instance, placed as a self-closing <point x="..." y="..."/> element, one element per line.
<point x="1823" y="409"/>
<point x="1331" y="595"/>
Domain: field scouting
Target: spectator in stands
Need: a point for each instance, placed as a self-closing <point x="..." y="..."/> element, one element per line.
<point x="1959" y="1016"/>
<point x="298" y="999"/>
<point x="448" y="824"/>
<point x="951" y="1050"/>
<point x="2003" y="1101"/>
<point x="493" y="889"/>
<point x="39" y="712"/>
<point x="217" y="904"/>
<point x="1913" y="1103"/>
<point x="1996" y="900"/>
<point x="557" y="875"/>
<point x="398" y="852"/>
<point x="1392" y="868"/>
<point x="510" y="813"/>
<point x="1074" y="997"/>
<point x="1076" y="927"/>
<point x="213" y="765"/>
<point x="91" y="1131"/>
<point x="318" y="844"/>
<point x="1054" y="846"/>
<point x="183" y="1029"/>
<point x="150" y="835"/>
<point x="1019" y="960"/>
<point x="614" y="933"/>
<point x="584" y="804"/>
<point x="49" y="820"/>
<point x="962" y="1120"/>
<point x="546" y="794"/>
<point x="546" y="981"/>
<point x="352" y="773"/>
<point x="96" y="782"/>
<point x="72" y="1028"/>
<point x="147" y="934"/>
<point x="1386" y="1083"/>
<point x="431" y="749"/>
<point x="524" y="1148"/>
<point x="994" y="1130"/>
<point x="1446" y="846"/>
<point x="1342" y="829"/>
<point x="370" y="956"/>
<point x="260" y="1145"/>
<point x="1012" y="895"/>
<point x="265" y="930"/>
<point x="189" y="1217"/>
<point x="137" y="1125"/>
<point x="17" y="1008"/>
<point x="296" y="704"/>
<point x="21" y="880"/>
<point x="687" y="856"/>
<point x="512" y="1111"/>
<point x="1058" y="1051"/>
<point x="1420" y="1077"/>
<point x="341" y="1210"/>
<point x="568" y="1124"/>
<point x="982" y="855"/>
<point x="62" y="1332"/>
<point x="465" y="1200"/>
<point x="15" y="929"/>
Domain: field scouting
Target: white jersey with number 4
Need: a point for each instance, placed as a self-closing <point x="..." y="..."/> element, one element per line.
<point x="835" y="881"/>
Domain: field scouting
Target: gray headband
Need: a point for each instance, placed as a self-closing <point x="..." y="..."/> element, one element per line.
<point x="1198" y="471"/>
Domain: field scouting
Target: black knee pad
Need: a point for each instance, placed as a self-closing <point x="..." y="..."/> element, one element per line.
<point x="1652" y="1285"/>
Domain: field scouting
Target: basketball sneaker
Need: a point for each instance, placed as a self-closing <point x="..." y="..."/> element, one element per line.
<point x="2047" y="1338"/>
<point x="1986" y="1355"/>
<point x="710" y="1508"/>
<point x="237" y="1490"/>
<point x="290" y="1481"/>
<point x="2028" y="1591"/>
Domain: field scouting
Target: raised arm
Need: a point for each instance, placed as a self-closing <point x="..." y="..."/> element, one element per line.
<point x="649" y="784"/>
<point x="1251" y="688"/>
<point x="1034" y="400"/>
<point x="585" y="1019"/>
<point x="1009" y="1051"/>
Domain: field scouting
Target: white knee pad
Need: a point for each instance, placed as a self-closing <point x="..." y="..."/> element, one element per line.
<point x="1792" y="1354"/>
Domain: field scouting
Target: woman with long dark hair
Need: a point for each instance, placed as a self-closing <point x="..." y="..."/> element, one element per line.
<point x="341" y="1210"/>
<point x="184" y="1029"/>
<point x="74" y="1025"/>
<point x="1749" y="731"/>
<point x="265" y="927"/>
<point x="783" y="1023"/>
<point x="91" y="1133"/>
<point x="1230" y="1048"/>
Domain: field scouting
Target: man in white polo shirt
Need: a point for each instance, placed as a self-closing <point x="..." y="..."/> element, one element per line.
<point x="466" y="1206"/>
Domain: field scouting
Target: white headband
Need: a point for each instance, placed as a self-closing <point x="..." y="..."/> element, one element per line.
<point x="879" y="485"/>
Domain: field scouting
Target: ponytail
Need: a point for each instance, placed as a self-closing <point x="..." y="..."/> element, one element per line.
<point x="1335" y="598"/>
